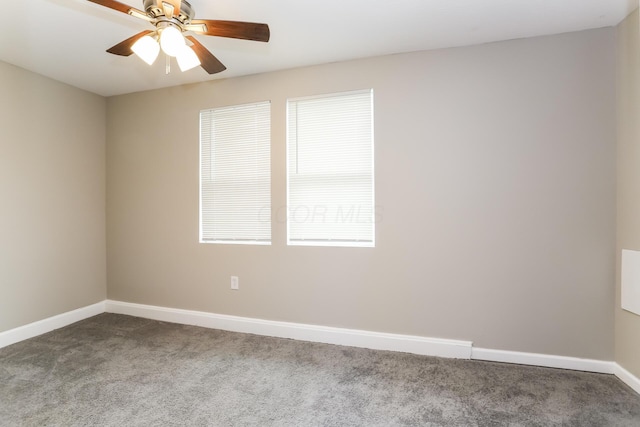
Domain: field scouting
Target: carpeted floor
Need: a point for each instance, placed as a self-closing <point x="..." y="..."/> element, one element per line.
<point x="114" y="370"/>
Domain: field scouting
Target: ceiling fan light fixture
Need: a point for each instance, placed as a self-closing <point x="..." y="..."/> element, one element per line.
<point x="171" y="41"/>
<point x="172" y="19"/>
<point x="147" y="49"/>
<point x="187" y="59"/>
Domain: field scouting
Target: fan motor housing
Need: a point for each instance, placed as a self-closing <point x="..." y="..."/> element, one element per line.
<point x="185" y="16"/>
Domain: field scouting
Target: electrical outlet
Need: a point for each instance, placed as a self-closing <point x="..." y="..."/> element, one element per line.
<point x="235" y="284"/>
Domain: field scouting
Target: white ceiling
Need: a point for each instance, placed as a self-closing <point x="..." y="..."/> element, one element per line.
<point x="66" y="39"/>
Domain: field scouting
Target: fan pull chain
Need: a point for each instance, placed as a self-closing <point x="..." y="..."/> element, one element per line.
<point x="167" y="67"/>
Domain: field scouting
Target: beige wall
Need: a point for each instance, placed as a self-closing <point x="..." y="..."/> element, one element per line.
<point x="627" y="325"/>
<point x="495" y="176"/>
<point x="52" y="195"/>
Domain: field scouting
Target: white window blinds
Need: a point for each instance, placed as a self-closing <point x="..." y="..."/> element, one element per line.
<point x="235" y="174"/>
<point x="330" y="194"/>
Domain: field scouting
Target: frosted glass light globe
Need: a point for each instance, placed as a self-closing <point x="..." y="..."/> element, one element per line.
<point x="147" y="49"/>
<point x="187" y="59"/>
<point x="171" y="41"/>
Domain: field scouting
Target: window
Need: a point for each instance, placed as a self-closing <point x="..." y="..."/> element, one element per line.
<point x="235" y="174"/>
<point x="330" y="182"/>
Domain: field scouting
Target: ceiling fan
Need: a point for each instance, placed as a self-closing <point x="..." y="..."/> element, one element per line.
<point x="173" y="18"/>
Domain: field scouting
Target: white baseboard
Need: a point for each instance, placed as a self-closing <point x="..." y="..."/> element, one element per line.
<point x="298" y="331"/>
<point x="40" y="327"/>
<point x="324" y="334"/>
<point x="561" y="362"/>
<point x="546" y="360"/>
<point x="627" y="377"/>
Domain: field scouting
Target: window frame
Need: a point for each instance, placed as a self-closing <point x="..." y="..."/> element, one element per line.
<point x="201" y="213"/>
<point x="331" y="242"/>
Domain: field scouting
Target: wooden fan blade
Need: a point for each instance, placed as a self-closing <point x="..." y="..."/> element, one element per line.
<point x="112" y="4"/>
<point x="234" y="29"/>
<point x="210" y="63"/>
<point x="124" y="47"/>
<point x="121" y="7"/>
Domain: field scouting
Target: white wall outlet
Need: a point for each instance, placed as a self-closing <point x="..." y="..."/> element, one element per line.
<point x="235" y="284"/>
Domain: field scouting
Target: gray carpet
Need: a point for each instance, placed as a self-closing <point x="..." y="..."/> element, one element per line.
<point x="114" y="370"/>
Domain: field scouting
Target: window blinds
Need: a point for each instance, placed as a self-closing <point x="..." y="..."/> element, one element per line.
<point x="330" y="194"/>
<point x="235" y="174"/>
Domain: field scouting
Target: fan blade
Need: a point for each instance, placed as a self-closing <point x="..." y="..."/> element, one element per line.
<point x="121" y="7"/>
<point x="112" y="4"/>
<point x="124" y="47"/>
<point x="210" y="63"/>
<point x="234" y="29"/>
